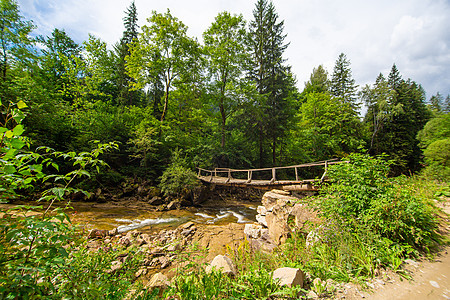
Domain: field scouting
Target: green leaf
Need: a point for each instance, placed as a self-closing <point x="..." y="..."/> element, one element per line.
<point x="18" y="115"/>
<point x="58" y="192"/>
<point x="21" y="105"/>
<point x="17" y="143"/>
<point x="9" y="169"/>
<point x="18" y="130"/>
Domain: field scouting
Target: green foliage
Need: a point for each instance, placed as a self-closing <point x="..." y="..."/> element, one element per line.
<point x="362" y="194"/>
<point x="178" y="180"/>
<point x="435" y="140"/>
<point x="32" y="247"/>
<point x="86" y="274"/>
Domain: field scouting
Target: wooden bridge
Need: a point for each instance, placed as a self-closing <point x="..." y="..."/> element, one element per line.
<point x="213" y="176"/>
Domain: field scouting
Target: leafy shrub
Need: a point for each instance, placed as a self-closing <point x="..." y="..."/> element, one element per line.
<point x="178" y="180"/>
<point x="362" y="194"/>
<point x="437" y="158"/>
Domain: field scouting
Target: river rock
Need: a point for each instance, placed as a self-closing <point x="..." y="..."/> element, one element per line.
<point x="164" y="261"/>
<point x="262" y="220"/>
<point x="158" y="280"/>
<point x="253" y="231"/>
<point x="289" y="276"/>
<point x="224" y="264"/>
<point x="97" y="233"/>
<point x="274" y="197"/>
<point x="305" y="218"/>
<point x="279" y="230"/>
<point x="156" y="200"/>
<point x="261" y="210"/>
<point x="124" y="241"/>
<point x="115" y="266"/>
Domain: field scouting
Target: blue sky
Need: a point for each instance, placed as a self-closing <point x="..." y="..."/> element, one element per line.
<point x="413" y="34"/>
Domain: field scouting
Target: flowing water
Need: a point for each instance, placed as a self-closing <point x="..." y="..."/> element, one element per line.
<point x="126" y="217"/>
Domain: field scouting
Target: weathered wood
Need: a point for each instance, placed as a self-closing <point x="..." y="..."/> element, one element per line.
<point x="299" y="187"/>
<point x="297" y="183"/>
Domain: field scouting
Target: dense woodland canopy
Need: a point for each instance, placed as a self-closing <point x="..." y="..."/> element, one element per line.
<point x="229" y="100"/>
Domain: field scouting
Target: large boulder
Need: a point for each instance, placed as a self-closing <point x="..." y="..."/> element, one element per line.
<point x="289" y="276"/>
<point x="223" y="264"/>
<point x="282" y="214"/>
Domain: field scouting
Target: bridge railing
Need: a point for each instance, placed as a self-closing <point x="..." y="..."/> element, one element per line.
<point x="228" y="171"/>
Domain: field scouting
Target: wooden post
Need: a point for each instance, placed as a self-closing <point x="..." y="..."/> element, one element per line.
<point x="273" y="176"/>
<point x="324" y="173"/>
<point x="249" y="176"/>
<point x="199" y="172"/>
<point x="229" y="176"/>
<point x="215" y="172"/>
<point x="296" y="174"/>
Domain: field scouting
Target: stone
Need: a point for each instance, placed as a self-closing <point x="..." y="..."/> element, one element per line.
<point x="187" y="225"/>
<point x="289" y="277"/>
<point x="281" y="192"/>
<point x="261" y="220"/>
<point x="253" y="230"/>
<point x="173" y="248"/>
<point x="139" y="242"/>
<point x="279" y="231"/>
<point x="270" y="199"/>
<point x="224" y="264"/>
<point x="261" y="210"/>
<point x="113" y="232"/>
<point x="140" y="272"/>
<point x="164" y="261"/>
<point x="305" y="218"/>
<point x="158" y="280"/>
<point x="132" y="234"/>
<point x="312" y="295"/>
<point x="115" y="266"/>
<point x="156" y="200"/>
<point x="174" y="204"/>
<point x="97" y="233"/>
<point x="125" y="241"/>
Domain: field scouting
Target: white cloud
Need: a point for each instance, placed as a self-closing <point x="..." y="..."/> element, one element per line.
<point x="373" y="34"/>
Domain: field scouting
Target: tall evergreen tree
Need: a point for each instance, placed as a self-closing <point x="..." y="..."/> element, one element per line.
<point x="409" y="114"/>
<point x="394" y="78"/>
<point x="271" y="76"/>
<point x="124" y="94"/>
<point x="437" y="102"/>
<point x="342" y="83"/>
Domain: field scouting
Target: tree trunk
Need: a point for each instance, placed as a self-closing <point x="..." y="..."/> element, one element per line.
<point x="224" y="119"/>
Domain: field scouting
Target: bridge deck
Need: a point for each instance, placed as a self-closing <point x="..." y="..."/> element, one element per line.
<point x="305" y="185"/>
<point x="292" y="185"/>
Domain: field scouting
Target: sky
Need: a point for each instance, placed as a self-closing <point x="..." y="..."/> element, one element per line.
<point x="373" y="34"/>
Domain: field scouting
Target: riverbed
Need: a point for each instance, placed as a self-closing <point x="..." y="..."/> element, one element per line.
<point x="130" y="215"/>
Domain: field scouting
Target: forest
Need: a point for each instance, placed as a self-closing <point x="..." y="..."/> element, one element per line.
<point x="85" y="118"/>
<point x="230" y="100"/>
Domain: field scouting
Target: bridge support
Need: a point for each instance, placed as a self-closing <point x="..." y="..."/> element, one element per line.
<point x="249" y="176"/>
<point x="274" y="177"/>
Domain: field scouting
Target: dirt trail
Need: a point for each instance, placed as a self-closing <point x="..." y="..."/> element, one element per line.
<point x="430" y="280"/>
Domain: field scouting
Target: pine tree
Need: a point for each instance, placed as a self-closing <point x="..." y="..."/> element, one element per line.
<point x="342" y="83"/>
<point x="437" y="102"/>
<point x="394" y="78"/>
<point x="271" y="75"/>
<point x="122" y="49"/>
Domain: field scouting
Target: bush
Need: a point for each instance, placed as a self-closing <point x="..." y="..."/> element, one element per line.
<point x="178" y="180"/>
<point x="361" y="193"/>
